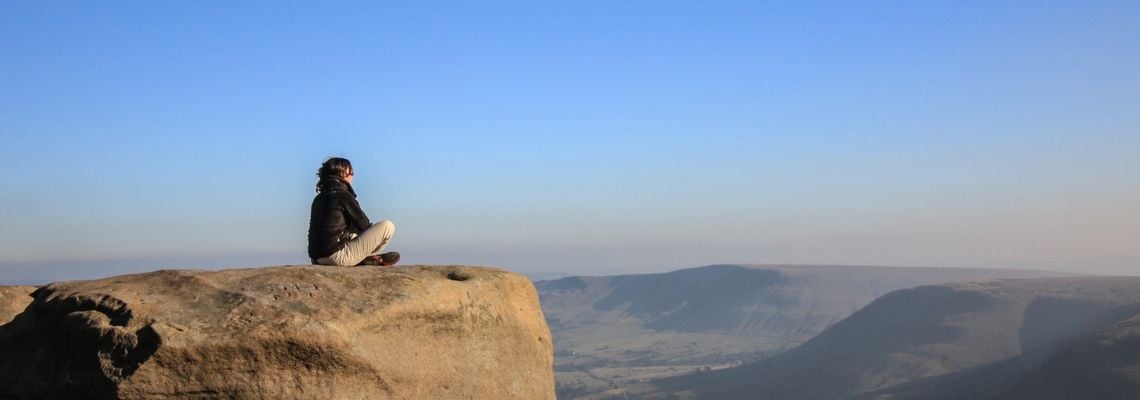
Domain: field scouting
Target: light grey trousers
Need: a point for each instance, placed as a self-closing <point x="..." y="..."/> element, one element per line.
<point x="367" y="243"/>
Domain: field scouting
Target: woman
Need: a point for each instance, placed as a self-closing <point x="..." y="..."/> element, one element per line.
<point x="339" y="231"/>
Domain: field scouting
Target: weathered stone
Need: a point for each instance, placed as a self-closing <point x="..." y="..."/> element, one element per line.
<point x="13" y="300"/>
<point x="283" y="333"/>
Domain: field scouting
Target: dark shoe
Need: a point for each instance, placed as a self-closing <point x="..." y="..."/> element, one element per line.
<point x="370" y="260"/>
<point x="383" y="260"/>
<point x="389" y="259"/>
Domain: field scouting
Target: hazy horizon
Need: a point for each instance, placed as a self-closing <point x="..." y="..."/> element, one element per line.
<point x="585" y="138"/>
<point x="42" y="272"/>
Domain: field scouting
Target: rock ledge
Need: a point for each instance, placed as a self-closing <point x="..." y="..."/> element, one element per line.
<point x="287" y="332"/>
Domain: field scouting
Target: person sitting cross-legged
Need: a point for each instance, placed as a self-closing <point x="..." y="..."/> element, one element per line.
<point x="339" y="231"/>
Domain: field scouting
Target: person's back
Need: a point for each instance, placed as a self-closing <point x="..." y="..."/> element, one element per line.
<point x="331" y="220"/>
<point x="339" y="230"/>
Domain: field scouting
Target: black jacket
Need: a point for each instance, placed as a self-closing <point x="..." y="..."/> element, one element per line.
<point x="334" y="217"/>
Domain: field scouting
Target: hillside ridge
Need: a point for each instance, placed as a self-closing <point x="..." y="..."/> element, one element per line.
<point x="983" y="340"/>
<point x="614" y="331"/>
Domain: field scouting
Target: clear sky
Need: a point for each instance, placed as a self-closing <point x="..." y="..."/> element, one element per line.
<point x="581" y="137"/>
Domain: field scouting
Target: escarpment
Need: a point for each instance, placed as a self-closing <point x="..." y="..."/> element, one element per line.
<point x="286" y="332"/>
<point x="1046" y="338"/>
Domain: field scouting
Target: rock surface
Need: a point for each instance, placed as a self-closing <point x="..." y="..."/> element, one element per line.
<point x="13" y="300"/>
<point x="287" y="332"/>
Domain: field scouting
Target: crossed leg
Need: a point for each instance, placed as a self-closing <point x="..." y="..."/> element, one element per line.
<point x="369" y="242"/>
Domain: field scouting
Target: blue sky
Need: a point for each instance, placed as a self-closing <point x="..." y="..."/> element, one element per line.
<point x="582" y="137"/>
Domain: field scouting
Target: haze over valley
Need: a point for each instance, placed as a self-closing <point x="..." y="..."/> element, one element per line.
<point x="1047" y="338"/>
<point x="612" y="331"/>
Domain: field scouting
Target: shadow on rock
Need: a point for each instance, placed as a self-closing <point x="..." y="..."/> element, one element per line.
<point x="67" y="345"/>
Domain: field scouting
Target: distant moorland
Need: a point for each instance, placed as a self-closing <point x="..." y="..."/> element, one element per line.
<point x="617" y="331"/>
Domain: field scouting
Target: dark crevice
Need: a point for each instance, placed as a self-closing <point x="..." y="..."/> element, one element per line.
<point x="457" y="276"/>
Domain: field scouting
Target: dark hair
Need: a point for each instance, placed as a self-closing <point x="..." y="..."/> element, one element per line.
<point x="334" y="167"/>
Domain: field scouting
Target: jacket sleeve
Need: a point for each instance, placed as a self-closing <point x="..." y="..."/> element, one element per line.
<point x="354" y="217"/>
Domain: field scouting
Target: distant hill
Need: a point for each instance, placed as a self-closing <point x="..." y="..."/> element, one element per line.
<point x="613" y="331"/>
<point x="1057" y="338"/>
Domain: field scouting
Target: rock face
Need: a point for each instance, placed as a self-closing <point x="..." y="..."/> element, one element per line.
<point x="13" y="300"/>
<point x="288" y="332"/>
